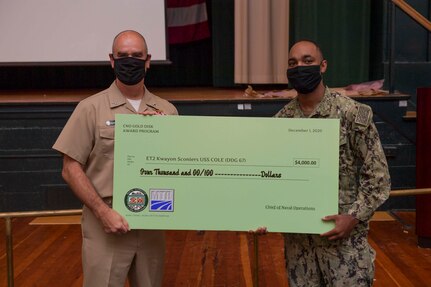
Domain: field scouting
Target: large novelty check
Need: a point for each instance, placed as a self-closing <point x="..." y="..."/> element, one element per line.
<point x="226" y="173"/>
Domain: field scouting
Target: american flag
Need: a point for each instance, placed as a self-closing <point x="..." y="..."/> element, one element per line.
<point x="187" y="21"/>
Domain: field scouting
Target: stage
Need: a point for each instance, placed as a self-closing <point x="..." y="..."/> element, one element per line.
<point x="47" y="253"/>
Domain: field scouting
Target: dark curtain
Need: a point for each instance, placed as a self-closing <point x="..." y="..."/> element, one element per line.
<point x="423" y="158"/>
<point x="342" y="29"/>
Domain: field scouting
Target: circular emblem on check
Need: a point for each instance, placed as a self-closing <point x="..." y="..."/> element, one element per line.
<point x="136" y="200"/>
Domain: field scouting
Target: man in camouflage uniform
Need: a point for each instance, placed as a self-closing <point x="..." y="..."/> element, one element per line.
<point x="341" y="256"/>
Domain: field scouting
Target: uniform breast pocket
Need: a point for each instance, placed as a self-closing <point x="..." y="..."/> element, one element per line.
<point x="343" y="150"/>
<point x="343" y="136"/>
<point x="347" y="170"/>
<point x="106" y="138"/>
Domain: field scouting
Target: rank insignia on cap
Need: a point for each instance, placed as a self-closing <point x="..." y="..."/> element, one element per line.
<point x="363" y="115"/>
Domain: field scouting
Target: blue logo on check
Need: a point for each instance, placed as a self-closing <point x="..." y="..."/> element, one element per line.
<point x="162" y="200"/>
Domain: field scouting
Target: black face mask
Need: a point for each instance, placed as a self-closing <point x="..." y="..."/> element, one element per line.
<point x="129" y="70"/>
<point x="304" y="79"/>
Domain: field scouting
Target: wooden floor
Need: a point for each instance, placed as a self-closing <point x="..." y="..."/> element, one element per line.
<point x="49" y="255"/>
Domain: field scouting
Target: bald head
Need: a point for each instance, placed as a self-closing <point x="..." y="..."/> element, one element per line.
<point x="129" y="40"/>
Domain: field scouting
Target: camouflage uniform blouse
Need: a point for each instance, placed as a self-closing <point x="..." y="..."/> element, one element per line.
<point x="364" y="181"/>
